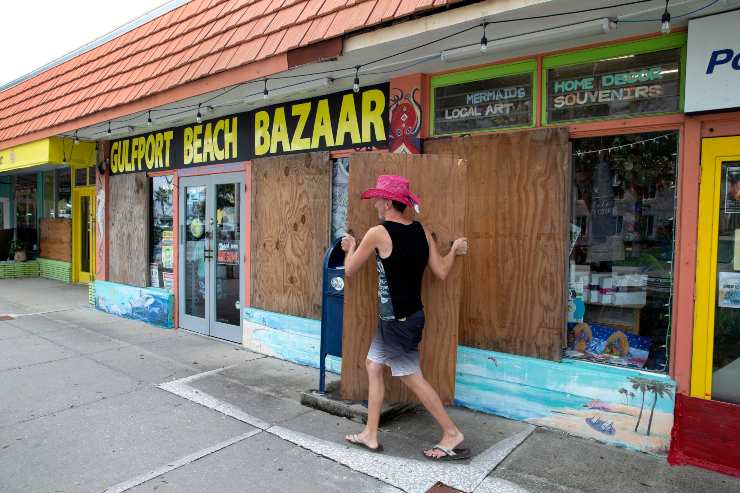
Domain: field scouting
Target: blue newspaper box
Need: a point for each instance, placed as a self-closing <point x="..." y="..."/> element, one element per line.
<point x="332" y="308"/>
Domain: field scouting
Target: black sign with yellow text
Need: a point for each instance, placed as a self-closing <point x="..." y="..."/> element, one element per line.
<point x="344" y="120"/>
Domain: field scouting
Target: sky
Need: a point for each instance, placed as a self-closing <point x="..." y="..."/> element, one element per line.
<point x="34" y="33"/>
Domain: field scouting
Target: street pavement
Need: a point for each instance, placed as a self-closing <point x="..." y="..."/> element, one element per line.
<point x="91" y="402"/>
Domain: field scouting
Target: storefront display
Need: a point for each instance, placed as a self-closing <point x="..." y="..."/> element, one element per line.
<point x="161" y="233"/>
<point x="624" y="200"/>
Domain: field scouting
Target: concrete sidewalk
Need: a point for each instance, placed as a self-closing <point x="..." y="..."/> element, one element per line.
<point x="92" y="402"/>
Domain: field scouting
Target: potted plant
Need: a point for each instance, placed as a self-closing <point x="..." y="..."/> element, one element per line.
<point x="18" y="250"/>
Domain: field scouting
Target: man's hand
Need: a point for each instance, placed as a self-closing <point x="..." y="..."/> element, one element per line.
<point x="348" y="243"/>
<point x="460" y="246"/>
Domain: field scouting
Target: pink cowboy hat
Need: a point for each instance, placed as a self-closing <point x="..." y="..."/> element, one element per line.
<point x="392" y="187"/>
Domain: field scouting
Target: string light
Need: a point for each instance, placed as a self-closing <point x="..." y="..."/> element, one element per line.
<point x="631" y="145"/>
<point x="149" y="119"/>
<point x="664" y="28"/>
<point x="665" y="21"/>
<point x="356" y="84"/>
<point x="265" y="93"/>
<point x="198" y="116"/>
<point x="484" y="40"/>
<point x="77" y="140"/>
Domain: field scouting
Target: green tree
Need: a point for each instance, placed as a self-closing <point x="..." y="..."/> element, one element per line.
<point x="659" y="389"/>
<point x="640" y="384"/>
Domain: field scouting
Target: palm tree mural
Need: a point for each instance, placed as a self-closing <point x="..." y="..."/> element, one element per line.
<point x="624" y="392"/>
<point x="659" y="389"/>
<point x="640" y="384"/>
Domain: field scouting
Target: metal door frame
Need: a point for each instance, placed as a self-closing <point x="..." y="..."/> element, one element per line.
<point x="208" y="325"/>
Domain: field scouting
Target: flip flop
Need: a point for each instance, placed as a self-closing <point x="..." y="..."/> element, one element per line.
<point x="355" y="440"/>
<point x="450" y="454"/>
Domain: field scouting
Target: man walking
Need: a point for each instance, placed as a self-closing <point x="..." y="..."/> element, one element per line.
<point x="403" y="249"/>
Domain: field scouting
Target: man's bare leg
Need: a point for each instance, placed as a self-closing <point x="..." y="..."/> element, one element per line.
<point x="451" y="435"/>
<point x="376" y="393"/>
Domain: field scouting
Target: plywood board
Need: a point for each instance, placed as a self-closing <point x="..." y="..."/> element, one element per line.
<point x="440" y="183"/>
<point x="128" y="229"/>
<point x="56" y="239"/>
<point x="517" y="219"/>
<point x="291" y="205"/>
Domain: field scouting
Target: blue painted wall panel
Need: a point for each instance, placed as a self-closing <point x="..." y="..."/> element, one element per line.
<point x="150" y="305"/>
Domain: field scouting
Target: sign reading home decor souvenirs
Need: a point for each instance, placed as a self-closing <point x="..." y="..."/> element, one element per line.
<point x="629" y="84"/>
<point x="484" y="104"/>
<point x="345" y="120"/>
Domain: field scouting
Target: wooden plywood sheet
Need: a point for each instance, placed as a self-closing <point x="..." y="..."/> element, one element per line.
<point x="291" y="205"/>
<point x="440" y="183"/>
<point x="517" y="223"/>
<point x="128" y="229"/>
<point x="56" y="239"/>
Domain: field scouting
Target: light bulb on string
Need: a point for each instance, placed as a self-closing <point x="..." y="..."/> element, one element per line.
<point x="149" y="119"/>
<point x="77" y="139"/>
<point x="265" y="93"/>
<point x="665" y="21"/>
<point x="356" y="84"/>
<point x="108" y="132"/>
<point x="198" y="116"/>
<point x="484" y="40"/>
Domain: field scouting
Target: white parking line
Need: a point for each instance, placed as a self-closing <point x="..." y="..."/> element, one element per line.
<point x="131" y="483"/>
<point x="406" y="474"/>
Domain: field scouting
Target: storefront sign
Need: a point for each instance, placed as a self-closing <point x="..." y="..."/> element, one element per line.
<point x="212" y="142"/>
<point x="633" y="84"/>
<point x="499" y="102"/>
<point x="713" y="63"/>
<point x="337" y="121"/>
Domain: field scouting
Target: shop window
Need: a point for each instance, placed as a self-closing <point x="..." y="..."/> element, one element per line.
<point x="49" y="208"/>
<point x="487" y="99"/>
<point x="161" y="250"/>
<point x="84" y="177"/>
<point x="63" y="193"/>
<point x="4" y="214"/>
<point x="25" y="200"/>
<point x="621" y="262"/>
<point x="620" y="83"/>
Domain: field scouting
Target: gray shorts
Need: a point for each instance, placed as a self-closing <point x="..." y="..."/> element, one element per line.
<point x="396" y="344"/>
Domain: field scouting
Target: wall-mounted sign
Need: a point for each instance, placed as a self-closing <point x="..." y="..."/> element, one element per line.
<point x="337" y="121"/>
<point x="499" y="102"/>
<point x="713" y="63"/>
<point x="625" y="85"/>
<point x="211" y="142"/>
<point x="343" y="120"/>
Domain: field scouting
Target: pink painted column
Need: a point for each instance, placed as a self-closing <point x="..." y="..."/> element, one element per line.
<point x="685" y="258"/>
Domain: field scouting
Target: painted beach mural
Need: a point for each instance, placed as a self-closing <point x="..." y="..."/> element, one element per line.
<point x="620" y="406"/>
<point x="150" y="305"/>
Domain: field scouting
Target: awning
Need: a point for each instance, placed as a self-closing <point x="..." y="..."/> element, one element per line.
<point x="54" y="151"/>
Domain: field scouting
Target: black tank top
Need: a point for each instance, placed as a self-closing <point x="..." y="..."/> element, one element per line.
<point x="400" y="275"/>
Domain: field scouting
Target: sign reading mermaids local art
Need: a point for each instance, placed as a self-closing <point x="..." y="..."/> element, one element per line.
<point x="500" y="102"/>
<point x="631" y="84"/>
<point x="345" y="120"/>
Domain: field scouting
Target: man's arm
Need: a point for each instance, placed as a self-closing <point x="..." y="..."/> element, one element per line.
<point x="355" y="256"/>
<point x="439" y="265"/>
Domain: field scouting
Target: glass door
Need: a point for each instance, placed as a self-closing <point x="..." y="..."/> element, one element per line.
<point x="211" y="255"/>
<point x="716" y="365"/>
<point x="194" y="236"/>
